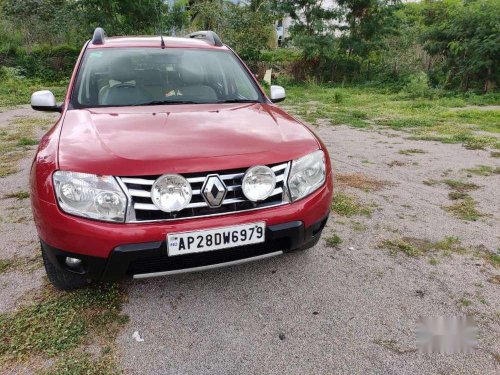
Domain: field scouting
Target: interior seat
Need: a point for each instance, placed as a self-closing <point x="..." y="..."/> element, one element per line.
<point x="193" y="85"/>
<point x="152" y="81"/>
<point x="123" y="91"/>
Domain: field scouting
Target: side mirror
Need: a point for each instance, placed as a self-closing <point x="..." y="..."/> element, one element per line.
<point x="277" y="94"/>
<point x="44" y="101"/>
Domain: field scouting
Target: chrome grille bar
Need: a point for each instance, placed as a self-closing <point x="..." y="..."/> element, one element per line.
<point x="280" y="167"/>
<point x="137" y="181"/>
<point x="138" y="190"/>
<point x="139" y="193"/>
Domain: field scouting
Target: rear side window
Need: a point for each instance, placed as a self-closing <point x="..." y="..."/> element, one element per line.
<point x="142" y="76"/>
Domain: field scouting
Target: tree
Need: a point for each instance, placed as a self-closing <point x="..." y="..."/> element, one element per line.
<point x="209" y="14"/>
<point x="249" y="28"/>
<point x="337" y="40"/>
<point x="37" y="21"/>
<point x="400" y="54"/>
<point x="313" y="31"/>
<point x="364" y="24"/>
<point x="467" y="37"/>
<point x="118" y="17"/>
<point x="177" y="16"/>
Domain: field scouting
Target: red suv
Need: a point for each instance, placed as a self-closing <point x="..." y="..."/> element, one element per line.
<point x="169" y="157"/>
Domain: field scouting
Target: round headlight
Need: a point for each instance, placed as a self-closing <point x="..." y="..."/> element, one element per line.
<point x="171" y="192"/>
<point x="258" y="183"/>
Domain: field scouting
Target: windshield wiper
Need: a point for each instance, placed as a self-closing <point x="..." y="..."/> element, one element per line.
<point x="239" y="101"/>
<point x="161" y="102"/>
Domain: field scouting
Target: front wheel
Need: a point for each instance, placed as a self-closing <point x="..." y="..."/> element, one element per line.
<point x="61" y="279"/>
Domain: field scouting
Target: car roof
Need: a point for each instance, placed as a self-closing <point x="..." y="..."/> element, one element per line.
<point x="154" y="41"/>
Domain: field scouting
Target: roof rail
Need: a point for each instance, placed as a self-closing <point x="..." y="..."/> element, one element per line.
<point x="208" y="36"/>
<point x="99" y="35"/>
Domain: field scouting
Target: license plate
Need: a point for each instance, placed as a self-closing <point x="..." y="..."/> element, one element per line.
<point x="215" y="239"/>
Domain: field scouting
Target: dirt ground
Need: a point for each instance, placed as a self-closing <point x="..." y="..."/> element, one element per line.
<point x="347" y="308"/>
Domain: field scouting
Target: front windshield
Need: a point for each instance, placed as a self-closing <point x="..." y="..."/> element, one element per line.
<point x="147" y="76"/>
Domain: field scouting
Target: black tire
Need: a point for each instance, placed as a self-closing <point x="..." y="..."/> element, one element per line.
<point x="63" y="280"/>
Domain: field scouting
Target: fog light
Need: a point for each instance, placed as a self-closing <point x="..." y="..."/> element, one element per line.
<point x="73" y="262"/>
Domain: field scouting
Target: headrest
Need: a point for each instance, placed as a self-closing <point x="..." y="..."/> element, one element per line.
<point x="191" y="72"/>
<point x="150" y="77"/>
<point x="122" y="70"/>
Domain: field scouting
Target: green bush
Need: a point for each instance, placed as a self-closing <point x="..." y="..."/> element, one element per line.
<point x="417" y="86"/>
<point x="8" y="73"/>
<point x="47" y="63"/>
<point x="16" y="89"/>
<point x="281" y="55"/>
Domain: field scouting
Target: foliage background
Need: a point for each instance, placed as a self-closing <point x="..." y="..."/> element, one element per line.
<point x="442" y="44"/>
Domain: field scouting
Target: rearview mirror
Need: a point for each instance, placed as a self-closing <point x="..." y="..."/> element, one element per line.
<point x="44" y="101"/>
<point x="277" y="94"/>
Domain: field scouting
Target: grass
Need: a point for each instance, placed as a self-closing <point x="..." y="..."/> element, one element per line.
<point x="14" y="141"/>
<point x="411" y="151"/>
<point x="445" y="118"/>
<point x="358" y="227"/>
<point x="20" y="263"/>
<point x="491" y="258"/>
<point x="396" y="163"/>
<point x="23" y="141"/>
<point x="433" y="261"/>
<point x="414" y="247"/>
<point x="494" y="260"/>
<point x="348" y="205"/>
<point x="19" y="195"/>
<point x="15" y="89"/>
<point x="333" y="241"/>
<point x="451" y="133"/>
<point x="83" y="363"/>
<point x="483" y="170"/>
<point x="5" y="264"/>
<point x="495" y="154"/>
<point x="465" y="210"/>
<point x="430" y="182"/>
<point x="401" y="245"/>
<point x="447" y="246"/>
<point x="461" y="186"/>
<point x="455" y="195"/>
<point x="58" y="324"/>
<point x="465" y="302"/>
<point x="360" y="181"/>
<point x="436" y="251"/>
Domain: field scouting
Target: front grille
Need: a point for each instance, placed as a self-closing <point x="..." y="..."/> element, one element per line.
<point x="141" y="208"/>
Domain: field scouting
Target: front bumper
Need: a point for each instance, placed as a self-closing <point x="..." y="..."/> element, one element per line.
<point x="98" y="239"/>
<point x="111" y="251"/>
<point x="151" y="259"/>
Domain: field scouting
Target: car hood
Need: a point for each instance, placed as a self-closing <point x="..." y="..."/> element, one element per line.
<point x="179" y="138"/>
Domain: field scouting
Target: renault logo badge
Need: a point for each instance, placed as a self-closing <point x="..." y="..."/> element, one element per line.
<point x="214" y="190"/>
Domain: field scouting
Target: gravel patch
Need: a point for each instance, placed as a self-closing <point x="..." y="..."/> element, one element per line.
<point x="348" y="309"/>
<point x="18" y="238"/>
<point x="15" y="284"/>
<point x="351" y="309"/>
